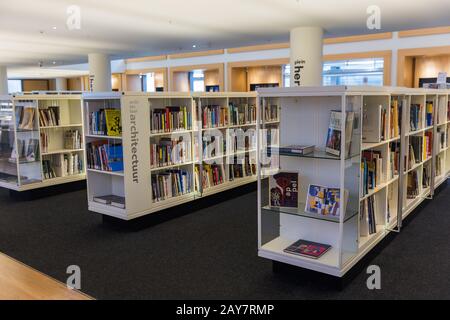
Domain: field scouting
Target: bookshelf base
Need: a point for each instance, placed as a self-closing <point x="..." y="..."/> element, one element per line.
<point x="44" y="183"/>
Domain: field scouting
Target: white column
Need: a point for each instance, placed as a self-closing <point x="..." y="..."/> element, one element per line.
<point x="99" y="72"/>
<point x="60" y="84"/>
<point x="306" y="51"/>
<point x="3" y="80"/>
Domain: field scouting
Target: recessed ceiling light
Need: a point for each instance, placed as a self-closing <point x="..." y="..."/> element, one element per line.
<point x="54" y="27"/>
<point x="194" y="46"/>
<point x="54" y="62"/>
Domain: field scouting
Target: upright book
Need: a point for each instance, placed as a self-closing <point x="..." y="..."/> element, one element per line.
<point x="283" y="189"/>
<point x="334" y="135"/>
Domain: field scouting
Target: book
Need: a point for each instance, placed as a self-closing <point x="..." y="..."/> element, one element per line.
<point x="395" y="118"/>
<point x="324" y="200"/>
<point x="283" y="189"/>
<point x="372" y="129"/>
<point x="368" y="221"/>
<point x="170" y="183"/>
<point x="296" y="149"/>
<point x="241" y="113"/>
<point x="371" y="170"/>
<point x="168" y="151"/>
<point x="116" y="201"/>
<point x="308" y="249"/>
<point x="415" y="117"/>
<point x="429" y="113"/>
<point x="169" y="119"/>
<point x="334" y="135"/>
<point x="113" y="122"/>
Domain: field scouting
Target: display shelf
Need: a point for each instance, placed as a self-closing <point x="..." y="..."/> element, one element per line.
<point x="62" y="151"/>
<point x="97" y="136"/>
<point x="112" y="173"/>
<point x="44" y="133"/>
<point x="305" y="119"/>
<point x="62" y="126"/>
<point x="144" y="181"/>
<point x="300" y="212"/>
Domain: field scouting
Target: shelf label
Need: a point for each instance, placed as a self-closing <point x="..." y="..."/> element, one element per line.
<point x="136" y="151"/>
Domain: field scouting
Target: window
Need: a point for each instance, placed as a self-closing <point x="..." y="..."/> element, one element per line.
<point x="354" y="72"/>
<point x="286" y="75"/>
<point x="14" y="86"/>
<point x="197" y="81"/>
<point x="148" y="82"/>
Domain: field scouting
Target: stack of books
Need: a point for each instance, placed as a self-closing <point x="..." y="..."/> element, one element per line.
<point x="395" y="118"/>
<point x="48" y="169"/>
<point x="49" y="117"/>
<point x="394" y="159"/>
<point x="105" y="122"/>
<point x="104" y="156"/>
<point x="412" y="186"/>
<point x="368" y="223"/>
<point x="72" y="165"/>
<point x="170" y="119"/>
<point x="427" y="144"/>
<point x="429" y="113"/>
<point x="374" y="127"/>
<point x="271" y="113"/>
<point x="214" y="116"/>
<point x="371" y="170"/>
<point x="242" y="113"/>
<point x="170" y="183"/>
<point x="25" y="118"/>
<point x="169" y="151"/>
<point x="212" y="175"/>
<point x="416" y="152"/>
<point x="415" y="117"/>
<point x="72" y="139"/>
<point x="213" y="146"/>
<point x="242" y="167"/>
<point x="26" y="151"/>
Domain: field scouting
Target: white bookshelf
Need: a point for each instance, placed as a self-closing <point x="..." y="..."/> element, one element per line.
<point x="24" y="167"/>
<point x="137" y="184"/>
<point x="305" y="116"/>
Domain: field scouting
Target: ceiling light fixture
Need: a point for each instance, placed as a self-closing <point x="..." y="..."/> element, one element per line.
<point x="54" y="62"/>
<point x="194" y="46"/>
<point x="54" y="27"/>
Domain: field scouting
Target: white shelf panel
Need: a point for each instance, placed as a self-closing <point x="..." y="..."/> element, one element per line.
<point x="371" y="145"/>
<point x="242" y="125"/>
<point x="112" y="173"/>
<point x="61" y="151"/>
<point x="172" y="166"/>
<point x="62" y="126"/>
<point x="102" y="137"/>
<point x="159" y="134"/>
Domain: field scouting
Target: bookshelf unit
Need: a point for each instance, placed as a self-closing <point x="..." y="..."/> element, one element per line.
<point x="376" y="173"/>
<point x="177" y="147"/>
<point x="41" y="140"/>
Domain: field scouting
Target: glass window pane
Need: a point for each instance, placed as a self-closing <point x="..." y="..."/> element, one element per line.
<point x="354" y="72"/>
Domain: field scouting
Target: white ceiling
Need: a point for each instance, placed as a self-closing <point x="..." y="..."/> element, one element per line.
<point x="36" y="30"/>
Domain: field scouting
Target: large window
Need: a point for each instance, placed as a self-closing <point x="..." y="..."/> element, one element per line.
<point x="348" y="72"/>
<point x="354" y="72"/>
<point x="197" y="81"/>
<point x="14" y="86"/>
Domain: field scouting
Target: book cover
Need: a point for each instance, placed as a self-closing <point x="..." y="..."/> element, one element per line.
<point x="334" y="134"/>
<point x="113" y="122"/>
<point x="308" y="249"/>
<point x="283" y="189"/>
<point x="372" y="124"/>
<point x="323" y="200"/>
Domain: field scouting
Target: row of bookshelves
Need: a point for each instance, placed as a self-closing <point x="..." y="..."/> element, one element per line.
<point x="185" y="146"/>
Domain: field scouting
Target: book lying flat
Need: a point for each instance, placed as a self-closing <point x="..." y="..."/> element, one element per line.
<point x="308" y="249"/>
<point x="296" y="149"/>
<point x="111" y="199"/>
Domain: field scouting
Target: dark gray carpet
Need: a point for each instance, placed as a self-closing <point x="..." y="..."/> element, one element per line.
<point x="209" y="254"/>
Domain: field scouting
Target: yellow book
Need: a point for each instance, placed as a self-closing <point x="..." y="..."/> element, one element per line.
<point x="113" y="122"/>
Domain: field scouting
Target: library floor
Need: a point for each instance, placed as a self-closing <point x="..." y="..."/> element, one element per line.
<point x="209" y="254"/>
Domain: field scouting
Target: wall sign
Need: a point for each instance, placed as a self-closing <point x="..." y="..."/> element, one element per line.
<point x="298" y="66"/>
